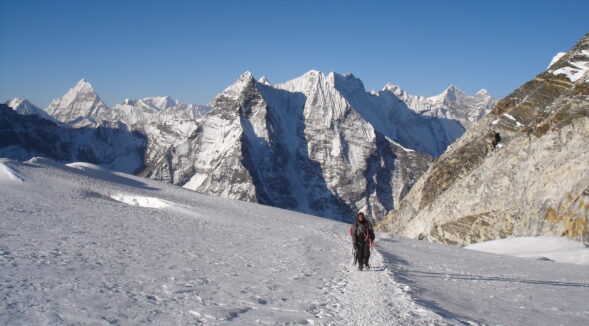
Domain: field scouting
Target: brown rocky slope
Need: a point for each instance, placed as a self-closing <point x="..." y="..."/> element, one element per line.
<point x="534" y="182"/>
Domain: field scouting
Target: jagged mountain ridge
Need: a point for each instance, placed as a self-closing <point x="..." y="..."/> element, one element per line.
<point x="319" y="144"/>
<point x="535" y="182"/>
<point x="163" y="121"/>
<point x="452" y="103"/>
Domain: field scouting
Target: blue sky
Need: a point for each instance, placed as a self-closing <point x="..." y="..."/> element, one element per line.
<point x="192" y="50"/>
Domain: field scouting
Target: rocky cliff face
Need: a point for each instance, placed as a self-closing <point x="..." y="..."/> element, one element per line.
<point x="534" y="182"/>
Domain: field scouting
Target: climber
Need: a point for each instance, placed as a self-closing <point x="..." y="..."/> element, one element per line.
<point x="362" y="238"/>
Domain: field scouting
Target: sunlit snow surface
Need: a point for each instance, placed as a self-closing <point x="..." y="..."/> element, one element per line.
<point x="80" y="245"/>
<point x="557" y="249"/>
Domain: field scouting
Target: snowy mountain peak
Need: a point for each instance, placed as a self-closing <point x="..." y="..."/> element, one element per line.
<point x="246" y="76"/>
<point x="397" y="91"/>
<point x="15" y="101"/>
<point x="160" y="102"/>
<point x="83" y="86"/>
<point x="348" y="83"/>
<point x="24" y="107"/>
<point x="265" y="81"/>
<point x="305" y="83"/>
<point x="245" y="81"/>
<point x="483" y="92"/>
<point x="79" y="106"/>
<point x="453" y="90"/>
<point x="81" y="89"/>
<point x="314" y="73"/>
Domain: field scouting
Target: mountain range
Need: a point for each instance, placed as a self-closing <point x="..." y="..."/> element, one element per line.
<point x="318" y="144"/>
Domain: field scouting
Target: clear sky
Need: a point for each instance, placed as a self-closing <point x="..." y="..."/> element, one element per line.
<point x="192" y="50"/>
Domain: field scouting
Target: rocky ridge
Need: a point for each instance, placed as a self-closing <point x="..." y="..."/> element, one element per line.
<point x="534" y="182"/>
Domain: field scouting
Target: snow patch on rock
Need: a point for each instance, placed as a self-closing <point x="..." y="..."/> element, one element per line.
<point x="556" y="58"/>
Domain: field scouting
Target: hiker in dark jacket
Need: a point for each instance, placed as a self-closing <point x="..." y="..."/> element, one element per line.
<point x="362" y="237"/>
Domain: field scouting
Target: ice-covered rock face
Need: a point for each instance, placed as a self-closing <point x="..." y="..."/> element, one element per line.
<point x="310" y="144"/>
<point x="534" y="182"/>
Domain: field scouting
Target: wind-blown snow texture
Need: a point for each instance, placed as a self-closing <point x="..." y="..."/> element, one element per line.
<point x="82" y="245"/>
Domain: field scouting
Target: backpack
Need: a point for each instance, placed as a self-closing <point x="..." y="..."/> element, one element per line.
<point x="361" y="231"/>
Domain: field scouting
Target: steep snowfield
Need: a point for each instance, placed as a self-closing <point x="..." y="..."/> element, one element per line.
<point x="82" y="245"/>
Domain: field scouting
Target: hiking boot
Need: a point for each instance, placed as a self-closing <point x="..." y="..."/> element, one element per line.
<point x="359" y="268"/>
<point x="367" y="267"/>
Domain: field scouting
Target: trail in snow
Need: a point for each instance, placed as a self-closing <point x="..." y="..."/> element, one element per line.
<point x="81" y="245"/>
<point x="373" y="297"/>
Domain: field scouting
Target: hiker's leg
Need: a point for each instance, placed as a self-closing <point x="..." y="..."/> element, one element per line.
<point x="360" y="254"/>
<point x="366" y="250"/>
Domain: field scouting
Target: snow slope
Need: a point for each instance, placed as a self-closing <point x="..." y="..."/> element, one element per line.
<point x="552" y="248"/>
<point x="82" y="245"/>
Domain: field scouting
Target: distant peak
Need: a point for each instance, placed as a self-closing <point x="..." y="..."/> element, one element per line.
<point x="347" y="82"/>
<point x="395" y="89"/>
<point x="391" y="87"/>
<point x="452" y="89"/>
<point x="82" y="81"/>
<point x="83" y="86"/>
<point x="315" y="74"/>
<point x="265" y="81"/>
<point x="246" y="76"/>
<point x="483" y="92"/>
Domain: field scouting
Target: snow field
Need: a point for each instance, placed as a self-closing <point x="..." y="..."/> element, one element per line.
<point x="8" y="174"/>
<point x="562" y="250"/>
<point x="82" y="245"/>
